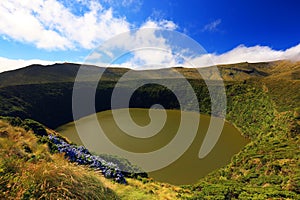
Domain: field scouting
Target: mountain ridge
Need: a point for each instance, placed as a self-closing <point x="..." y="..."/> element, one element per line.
<point x="66" y="72"/>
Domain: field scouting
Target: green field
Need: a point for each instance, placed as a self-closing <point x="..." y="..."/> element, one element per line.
<point x="188" y="168"/>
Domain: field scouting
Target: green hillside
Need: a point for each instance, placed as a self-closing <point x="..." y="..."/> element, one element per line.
<point x="269" y="166"/>
<point x="56" y="73"/>
<point x="263" y="102"/>
<point x="66" y="72"/>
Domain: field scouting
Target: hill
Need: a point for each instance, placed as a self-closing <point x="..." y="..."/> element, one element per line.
<point x="263" y="102"/>
<point x="56" y="73"/>
<point x="25" y="92"/>
<point x="268" y="167"/>
<point x="66" y="72"/>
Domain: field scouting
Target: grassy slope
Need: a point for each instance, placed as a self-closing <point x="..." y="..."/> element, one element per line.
<point x="28" y="170"/>
<point x="269" y="166"/>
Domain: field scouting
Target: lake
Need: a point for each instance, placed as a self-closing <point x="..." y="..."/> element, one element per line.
<point x="188" y="168"/>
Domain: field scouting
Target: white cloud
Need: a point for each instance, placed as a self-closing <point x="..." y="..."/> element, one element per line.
<point x="49" y="25"/>
<point x="153" y="50"/>
<point x="163" y="57"/>
<point x="151" y="58"/>
<point x="132" y="5"/>
<point x="292" y="53"/>
<point x="147" y="47"/>
<point x="213" y="26"/>
<point x="127" y="3"/>
<point x="163" y="24"/>
<point x="12" y="64"/>
<point x="249" y="54"/>
<point x="95" y="56"/>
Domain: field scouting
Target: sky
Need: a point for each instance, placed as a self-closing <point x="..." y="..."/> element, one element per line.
<point x="49" y="31"/>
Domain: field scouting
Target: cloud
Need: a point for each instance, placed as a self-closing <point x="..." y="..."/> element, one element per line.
<point x="126" y="42"/>
<point x="292" y="53"/>
<point x="163" y="57"/>
<point x="132" y="5"/>
<point x="249" y="54"/>
<point x="157" y="14"/>
<point x="213" y="26"/>
<point x="139" y="47"/>
<point x="140" y="38"/>
<point x="151" y="59"/>
<point x="48" y="24"/>
<point x="52" y="25"/>
<point x="160" y="24"/>
<point x="125" y="3"/>
<point x="12" y="64"/>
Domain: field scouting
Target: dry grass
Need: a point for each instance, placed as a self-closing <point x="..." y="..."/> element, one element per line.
<point x="147" y="189"/>
<point x="29" y="171"/>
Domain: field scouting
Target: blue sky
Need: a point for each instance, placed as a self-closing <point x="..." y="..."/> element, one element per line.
<point x="64" y="30"/>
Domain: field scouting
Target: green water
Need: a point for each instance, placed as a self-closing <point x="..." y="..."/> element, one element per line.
<point x="185" y="170"/>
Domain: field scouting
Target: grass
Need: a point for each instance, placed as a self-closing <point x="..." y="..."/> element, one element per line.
<point x="148" y="189"/>
<point x="29" y="171"/>
<point x="269" y="166"/>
